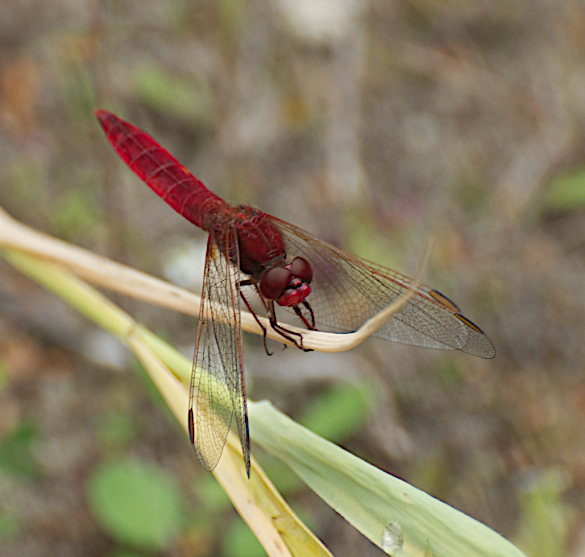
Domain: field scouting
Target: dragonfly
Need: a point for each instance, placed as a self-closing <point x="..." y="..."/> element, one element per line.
<point x="249" y="251"/>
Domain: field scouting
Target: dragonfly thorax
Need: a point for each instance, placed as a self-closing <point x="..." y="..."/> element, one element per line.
<point x="261" y="246"/>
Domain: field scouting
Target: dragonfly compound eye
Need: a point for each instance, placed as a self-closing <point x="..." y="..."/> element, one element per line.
<point x="274" y="282"/>
<point x="301" y="268"/>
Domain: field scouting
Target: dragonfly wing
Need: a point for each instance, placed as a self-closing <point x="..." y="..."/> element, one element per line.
<point x="217" y="391"/>
<point x="347" y="290"/>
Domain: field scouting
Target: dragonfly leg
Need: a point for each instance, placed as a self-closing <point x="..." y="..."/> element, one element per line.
<point x="310" y="326"/>
<point x="285" y="333"/>
<point x="308" y="306"/>
<point x="259" y="324"/>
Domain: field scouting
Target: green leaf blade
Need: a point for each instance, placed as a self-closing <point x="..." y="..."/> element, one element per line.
<point x="371" y="499"/>
<point x="136" y="504"/>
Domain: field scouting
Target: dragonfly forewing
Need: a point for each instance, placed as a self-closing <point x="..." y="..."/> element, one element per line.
<point x="217" y="391"/>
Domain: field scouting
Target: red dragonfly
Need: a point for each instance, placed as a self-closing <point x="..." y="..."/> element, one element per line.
<point x="286" y="266"/>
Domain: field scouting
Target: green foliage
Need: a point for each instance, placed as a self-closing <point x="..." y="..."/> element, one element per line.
<point x="231" y="14"/>
<point x="472" y="196"/>
<point x="76" y="213"/>
<point x="211" y="494"/>
<point x="369" y="243"/>
<point x="3" y="375"/>
<point x="148" y="386"/>
<point x="239" y="541"/>
<point x="544" y="524"/>
<point x="27" y="178"/>
<point x="115" y="429"/>
<point x="184" y="98"/>
<point x="137" y="504"/>
<point x="15" y="451"/>
<point x="9" y="526"/>
<point x="340" y="411"/>
<point x="448" y="374"/>
<point x="285" y="480"/>
<point x="566" y="192"/>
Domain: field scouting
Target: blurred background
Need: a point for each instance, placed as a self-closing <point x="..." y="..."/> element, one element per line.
<point x="374" y="125"/>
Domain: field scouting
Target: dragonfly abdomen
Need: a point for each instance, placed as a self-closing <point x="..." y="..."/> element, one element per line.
<point x="163" y="174"/>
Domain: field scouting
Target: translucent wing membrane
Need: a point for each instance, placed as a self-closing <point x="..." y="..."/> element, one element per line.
<point x="347" y="290"/>
<point x="217" y="383"/>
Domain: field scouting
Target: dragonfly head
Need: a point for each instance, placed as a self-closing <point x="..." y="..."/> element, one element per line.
<point x="288" y="285"/>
